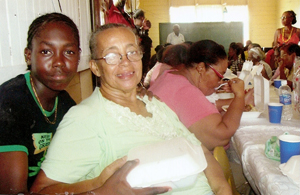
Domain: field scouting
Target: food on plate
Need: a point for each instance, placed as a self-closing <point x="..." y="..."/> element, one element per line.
<point x="250" y="108"/>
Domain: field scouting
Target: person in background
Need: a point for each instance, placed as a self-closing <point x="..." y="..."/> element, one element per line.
<point x="154" y="71"/>
<point x="285" y="70"/>
<point x="154" y="57"/>
<point x="242" y="54"/>
<point x="117" y="13"/>
<point x="252" y="45"/>
<point x="114" y="120"/>
<point x="257" y="56"/>
<point x="235" y="61"/>
<point x="142" y="26"/>
<point x="173" y="57"/>
<point x="246" y="49"/>
<point x="270" y="57"/>
<point x="288" y="33"/>
<point x="276" y="59"/>
<point x="185" y="91"/>
<point x="175" y="37"/>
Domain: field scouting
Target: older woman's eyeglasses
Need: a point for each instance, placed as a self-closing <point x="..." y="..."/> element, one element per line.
<point x="116" y="58"/>
<point x="217" y="73"/>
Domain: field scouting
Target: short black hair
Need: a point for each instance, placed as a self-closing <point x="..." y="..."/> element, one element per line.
<point x="37" y="25"/>
<point x="138" y="13"/>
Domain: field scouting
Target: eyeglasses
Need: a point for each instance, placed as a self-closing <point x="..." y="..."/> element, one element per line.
<point x="284" y="17"/>
<point x="116" y="58"/>
<point x="217" y="73"/>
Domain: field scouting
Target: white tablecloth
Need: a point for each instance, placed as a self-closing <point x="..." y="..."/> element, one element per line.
<point x="262" y="173"/>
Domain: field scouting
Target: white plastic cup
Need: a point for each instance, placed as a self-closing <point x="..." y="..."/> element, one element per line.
<point x="275" y="112"/>
<point x="289" y="146"/>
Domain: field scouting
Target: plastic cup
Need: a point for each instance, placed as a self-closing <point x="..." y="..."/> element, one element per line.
<point x="277" y="83"/>
<point x="289" y="146"/>
<point x="275" y="112"/>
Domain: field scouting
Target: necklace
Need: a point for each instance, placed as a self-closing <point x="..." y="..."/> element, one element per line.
<point x="289" y="35"/>
<point x="37" y="97"/>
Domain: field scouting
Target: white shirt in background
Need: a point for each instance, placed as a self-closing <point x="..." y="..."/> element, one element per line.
<point x="174" y="39"/>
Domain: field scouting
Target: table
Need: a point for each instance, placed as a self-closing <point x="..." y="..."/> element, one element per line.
<point x="248" y="143"/>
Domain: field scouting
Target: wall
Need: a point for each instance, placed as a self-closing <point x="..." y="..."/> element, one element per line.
<point x="283" y="6"/>
<point x="157" y="11"/>
<point x="264" y="17"/>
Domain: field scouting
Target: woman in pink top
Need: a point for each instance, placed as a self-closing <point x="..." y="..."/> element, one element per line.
<point x="287" y="34"/>
<point x="179" y="89"/>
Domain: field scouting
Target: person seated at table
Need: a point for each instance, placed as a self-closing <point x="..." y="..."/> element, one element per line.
<point x="272" y="58"/>
<point x="114" y="120"/>
<point x="234" y="58"/>
<point x="276" y="59"/>
<point x="257" y="56"/>
<point x="285" y="71"/>
<point x="154" y="57"/>
<point x="184" y="92"/>
<point x="248" y="42"/>
<point x="154" y="71"/>
<point x="252" y="45"/>
<point x="173" y="56"/>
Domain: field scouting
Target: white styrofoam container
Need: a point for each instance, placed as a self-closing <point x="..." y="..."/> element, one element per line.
<point x="175" y="163"/>
<point x="292" y="169"/>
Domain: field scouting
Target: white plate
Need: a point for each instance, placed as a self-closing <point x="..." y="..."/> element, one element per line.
<point x="245" y="115"/>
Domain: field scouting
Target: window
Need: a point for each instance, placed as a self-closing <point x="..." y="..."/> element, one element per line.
<point x="211" y="13"/>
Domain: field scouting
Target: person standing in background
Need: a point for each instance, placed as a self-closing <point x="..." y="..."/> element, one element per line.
<point x="117" y="14"/>
<point x="142" y="26"/>
<point x="175" y="37"/>
<point x="287" y="34"/>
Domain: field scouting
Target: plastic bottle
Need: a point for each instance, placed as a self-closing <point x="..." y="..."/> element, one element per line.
<point x="285" y="97"/>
